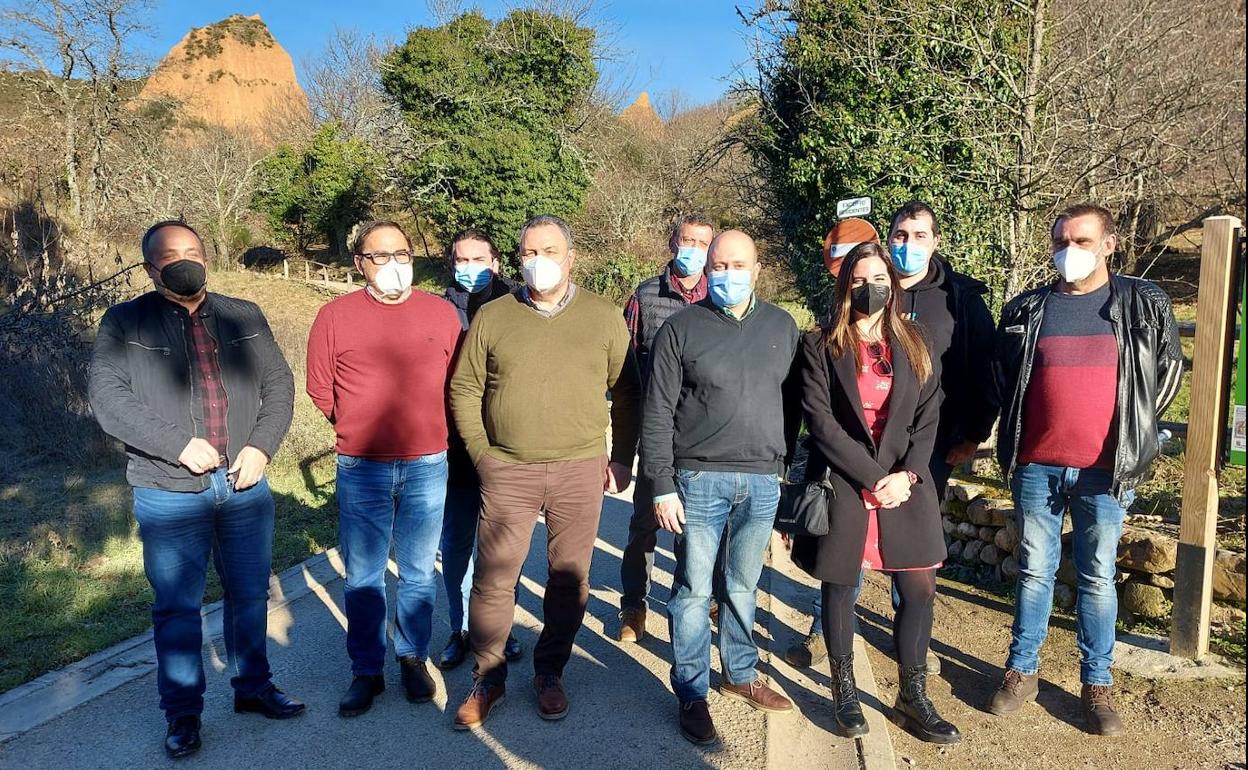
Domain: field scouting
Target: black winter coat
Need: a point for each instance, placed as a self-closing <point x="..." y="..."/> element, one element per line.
<point x="910" y="535"/>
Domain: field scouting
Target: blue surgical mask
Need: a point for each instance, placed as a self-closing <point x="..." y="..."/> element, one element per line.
<point x="472" y="276"/>
<point x="689" y="260"/>
<point x="730" y="287"/>
<point x="909" y="258"/>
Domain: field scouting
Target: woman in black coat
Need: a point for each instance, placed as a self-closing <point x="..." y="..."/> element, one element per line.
<point x="871" y="401"/>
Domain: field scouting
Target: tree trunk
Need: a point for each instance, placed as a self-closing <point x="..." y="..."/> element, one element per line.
<point x="70" y="156"/>
<point x="1023" y="195"/>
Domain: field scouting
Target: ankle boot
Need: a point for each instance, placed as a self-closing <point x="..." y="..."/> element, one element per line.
<point x="845" y="705"/>
<point x="916" y="709"/>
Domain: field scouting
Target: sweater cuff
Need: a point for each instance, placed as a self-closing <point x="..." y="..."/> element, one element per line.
<point x="663" y="485"/>
<point x="668" y="496"/>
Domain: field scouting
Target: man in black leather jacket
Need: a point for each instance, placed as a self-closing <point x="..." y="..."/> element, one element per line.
<point x="195" y="386"/>
<point x="1084" y="368"/>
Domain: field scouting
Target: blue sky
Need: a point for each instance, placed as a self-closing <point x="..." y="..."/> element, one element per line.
<point x="694" y="46"/>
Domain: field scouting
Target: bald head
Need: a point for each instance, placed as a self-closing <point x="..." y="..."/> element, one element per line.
<point x="732" y="250"/>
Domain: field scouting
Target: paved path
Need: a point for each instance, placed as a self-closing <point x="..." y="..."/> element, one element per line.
<point x="622" y="715"/>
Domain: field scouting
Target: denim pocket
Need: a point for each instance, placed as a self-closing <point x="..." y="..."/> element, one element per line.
<point x="432" y="459"/>
<point x="688" y="475"/>
<point x="348" y="461"/>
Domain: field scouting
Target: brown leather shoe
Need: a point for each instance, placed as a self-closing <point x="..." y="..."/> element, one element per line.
<point x="476" y="707"/>
<point x="713" y="612"/>
<point x="1016" y="689"/>
<point x="1098" y="710"/>
<point x="632" y="624"/>
<point x="552" y="701"/>
<point x="696" y="724"/>
<point x="758" y="695"/>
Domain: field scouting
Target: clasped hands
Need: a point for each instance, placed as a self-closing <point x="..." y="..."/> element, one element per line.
<point x="199" y="456"/>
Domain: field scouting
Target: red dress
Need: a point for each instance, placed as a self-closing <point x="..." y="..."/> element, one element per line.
<point x="874" y="390"/>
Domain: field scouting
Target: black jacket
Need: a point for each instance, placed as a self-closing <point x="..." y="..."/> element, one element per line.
<point x="467" y="303"/>
<point x="1150" y="367"/>
<point x="460" y="471"/>
<point x="140" y="387"/>
<point x="955" y="319"/>
<point x="910" y="534"/>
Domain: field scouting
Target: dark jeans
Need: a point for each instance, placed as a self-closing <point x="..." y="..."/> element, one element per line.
<point x="380" y="503"/>
<point x="638" y="559"/>
<point x="179" y="531"/>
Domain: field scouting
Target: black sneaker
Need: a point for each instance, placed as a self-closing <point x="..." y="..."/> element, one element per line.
<point x="359" y="697"/>
<point x="513" y="651"/>
<point x="455" y="651"/>
<point x="417" y="683"/>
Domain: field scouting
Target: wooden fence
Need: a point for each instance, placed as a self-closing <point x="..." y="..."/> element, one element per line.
<point x="337" y="277"/>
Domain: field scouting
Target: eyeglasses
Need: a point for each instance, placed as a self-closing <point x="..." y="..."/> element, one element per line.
<point x="380" y="258"/>
<point x="879" y="364"/>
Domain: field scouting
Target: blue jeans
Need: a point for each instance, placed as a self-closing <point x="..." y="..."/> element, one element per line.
<point x="1042" y="493"/>
<point x="458" y="548"/>
<point x="738" y="509"/>
<point x="380" y="502"/>
<point x="180" y="531"/>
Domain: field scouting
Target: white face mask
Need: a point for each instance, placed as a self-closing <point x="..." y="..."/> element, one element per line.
<point x="542" y="273"/>
<point x="392" y="279"/>
<point x="1073" y="263"/>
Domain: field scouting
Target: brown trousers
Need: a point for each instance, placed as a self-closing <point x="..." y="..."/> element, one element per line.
<point x="570" y="493"/>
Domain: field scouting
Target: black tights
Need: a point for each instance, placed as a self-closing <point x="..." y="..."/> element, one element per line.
<point x="912" y="625"/>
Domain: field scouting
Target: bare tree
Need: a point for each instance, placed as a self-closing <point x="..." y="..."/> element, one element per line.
<point x="73" y="58"/>
<point x="221" y="175"/>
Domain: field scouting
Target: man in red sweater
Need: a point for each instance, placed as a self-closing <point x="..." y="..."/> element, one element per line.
<point x="378" y="364"/>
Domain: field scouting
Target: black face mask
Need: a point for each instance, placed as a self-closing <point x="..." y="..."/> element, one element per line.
<point x="185" y="278"/>
<point x="870" y="298"/>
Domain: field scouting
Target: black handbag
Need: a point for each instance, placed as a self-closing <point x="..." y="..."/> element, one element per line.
<point x="805" y="508"/>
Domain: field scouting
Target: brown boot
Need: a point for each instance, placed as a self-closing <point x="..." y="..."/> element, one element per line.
<point x="758" y="695"/>
<point x="1015" y="690"/>
<point x="1098" y="710"/>
<point x="632" y="624"/>
<point x="552" y="701"/>
<point x="476" y="707"/>
<point x="696" y="724"/>
<point x="713" y="612"/>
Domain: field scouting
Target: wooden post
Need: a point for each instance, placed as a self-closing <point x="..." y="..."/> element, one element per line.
<point x="307" y="271"/>
<point x="286" y="269"/>
<point x="324" y="273"/>
<point x="1193" y="577"/>
<point x="350" y="282"/>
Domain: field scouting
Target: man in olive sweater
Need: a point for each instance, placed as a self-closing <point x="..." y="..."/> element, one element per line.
<point x="528" y="397"/>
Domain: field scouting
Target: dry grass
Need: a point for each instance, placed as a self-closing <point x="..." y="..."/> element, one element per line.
<point x="71" y="567"/>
